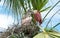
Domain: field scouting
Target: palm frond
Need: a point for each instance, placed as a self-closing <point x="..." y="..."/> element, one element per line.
<point x="22" y="4"/>
<point x="33" y="2"/>
<point x="43" y="4"/>
<point x="29" y="4"/>
<point x="55" y="26"/>
<point x="18" y="4"/>
<point x="45" y="9"/>
<point x="38" y="4"/>
<point x="50" y="10"/>
<point x="54" y="34"/>
<point x="48" y="35"/>
<point x="51" y="18"/>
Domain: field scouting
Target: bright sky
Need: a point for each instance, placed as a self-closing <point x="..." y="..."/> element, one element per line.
<point x="1" y="3"/>
<point x="4" y="21"/>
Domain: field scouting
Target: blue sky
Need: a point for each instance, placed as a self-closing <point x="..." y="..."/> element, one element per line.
<point x="56" y="18"/>
<point x="6" y="20"/>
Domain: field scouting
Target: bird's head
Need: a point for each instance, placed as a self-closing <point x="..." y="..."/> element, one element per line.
<point x="33" y="11"/>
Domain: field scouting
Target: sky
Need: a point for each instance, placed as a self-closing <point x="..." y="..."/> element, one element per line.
<point x="56" y="18"/>
<point x="6" y="20"/>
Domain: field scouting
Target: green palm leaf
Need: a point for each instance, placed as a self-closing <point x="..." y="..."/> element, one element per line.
<point x="51" y="18"/>
<point x="55" y="26"/>
<point x="45" y="9"/>
<point x="18" y="4"/>
<point x="43" y="4"/>
<point x="41" y="35"/>
<point x="48" y="35"/>
<point x="50" y="10"/>
<point x="55" y="34"/>
<point x="38" y="4"/>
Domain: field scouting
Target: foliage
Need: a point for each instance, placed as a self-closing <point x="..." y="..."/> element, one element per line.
<point x="48" y="35"/>
<point x="26" y="4"/>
